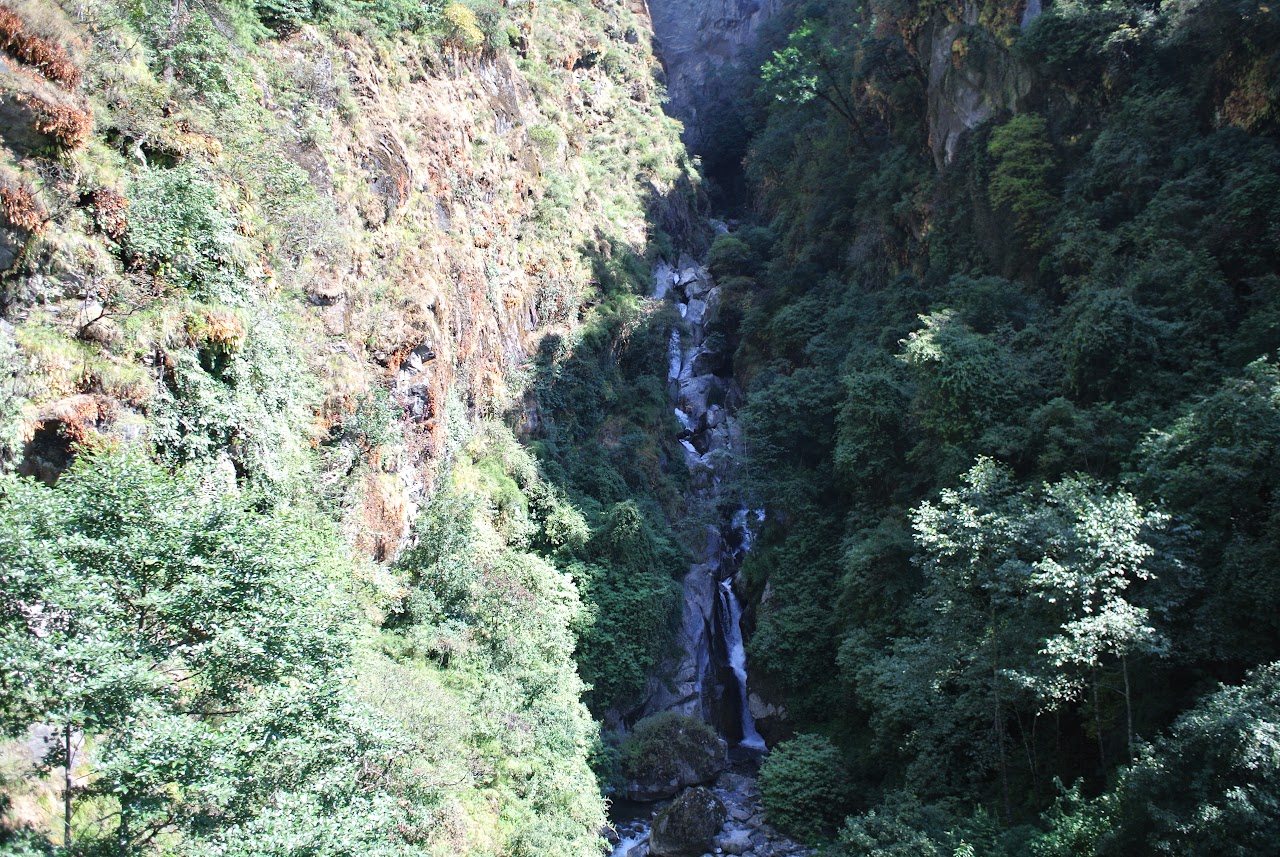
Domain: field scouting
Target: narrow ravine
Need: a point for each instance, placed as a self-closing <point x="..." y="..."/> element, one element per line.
<point x="709" y="679"/>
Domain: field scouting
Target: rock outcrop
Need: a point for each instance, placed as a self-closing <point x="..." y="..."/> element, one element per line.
<point x="700" y="44"/>
<point x="972" y="75"/>
<point x="687" y="827"/>
<point x="673" y="752"/>
<point x="742" y="828"/>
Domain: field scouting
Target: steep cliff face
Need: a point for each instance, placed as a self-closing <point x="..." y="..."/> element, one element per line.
<point x="972" y="76"/>
<point x="701" y="44"/>
<point x="418" y="213"/>
<point x="304" y="262"/>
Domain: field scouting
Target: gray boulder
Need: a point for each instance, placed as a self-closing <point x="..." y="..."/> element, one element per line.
<point x="668" y="752"/>
<point x="688" y="827"/>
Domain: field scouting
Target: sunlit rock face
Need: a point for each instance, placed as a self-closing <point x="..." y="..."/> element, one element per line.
<point x="973" y="76"/>
<point x="699" y="43"/>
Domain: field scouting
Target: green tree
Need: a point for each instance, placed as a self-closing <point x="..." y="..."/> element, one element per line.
<point x="1025" y="600"/>
<point x="813" y="66"/>
<point x="1209" y="786"/>
<point x="201" y="645"/>
<point x="1023" y="165"/>
<point x="803" y="786"/>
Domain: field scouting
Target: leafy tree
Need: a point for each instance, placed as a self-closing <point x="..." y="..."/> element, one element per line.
<point x="1025" y="600"/>
<point x="1022" y="168"/>
<point x="1208" y="786"/>
<point x="200" y="643"/>
<point x="803" y="786"/>
<point x="812" y="66"/>
<point x="1216" y="464"/>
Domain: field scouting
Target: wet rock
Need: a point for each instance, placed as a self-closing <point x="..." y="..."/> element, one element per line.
<point x="735" y="841"/>
<point x="688" y="826"/>
<point x="697" y="394"/>
<point x="697" y="311"/>
<point x="663" y="278"/>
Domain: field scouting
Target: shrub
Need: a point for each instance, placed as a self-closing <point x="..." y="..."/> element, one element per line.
<point x="111" y="212"/>
<point x="19" y="206"/>
<point x="1020" y="179"/>
<point x="178" y="230"/>
<point x="803" y="786"/>
<point x="69" y="126"/>
<point x="546" y="138"/>
<point x="730" y="256"/>
<point x="662" y="745"/>
<point x="461" y="27"/>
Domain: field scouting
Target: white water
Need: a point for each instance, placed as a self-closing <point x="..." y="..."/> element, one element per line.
<point x="621" y="849"/>
<point x="1031" y="12"/>
<point x="738" y="661"/>
<point x="743" y="527"/>
<point x="675" y="360"/>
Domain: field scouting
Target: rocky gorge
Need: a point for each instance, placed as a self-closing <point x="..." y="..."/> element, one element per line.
<point x="705" y="801"/>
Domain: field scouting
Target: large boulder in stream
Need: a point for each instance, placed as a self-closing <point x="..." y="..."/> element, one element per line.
<point x="688" y="827"/>
<point x="669" y="752"/>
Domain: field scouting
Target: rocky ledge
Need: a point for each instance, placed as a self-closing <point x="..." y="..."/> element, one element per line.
<point x="725" y="819"/>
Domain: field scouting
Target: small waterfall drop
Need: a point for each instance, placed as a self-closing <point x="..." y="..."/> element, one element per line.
<point x="708" y="677"/>
<point x="731" y="622"/>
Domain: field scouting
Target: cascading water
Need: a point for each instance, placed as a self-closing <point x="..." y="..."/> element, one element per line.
<point x="706" y="675"/>
<point x="710" y="680"/>
<point x="731" y="625"/>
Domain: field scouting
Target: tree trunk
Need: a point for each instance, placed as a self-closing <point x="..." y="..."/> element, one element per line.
<point x="66" y="788"/>
<point x="1097" y="723"/>
<point x="1128" y="703"/>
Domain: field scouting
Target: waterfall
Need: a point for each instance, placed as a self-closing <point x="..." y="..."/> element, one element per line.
<point x="701" y="680"/>
<point x="731" y="623"/>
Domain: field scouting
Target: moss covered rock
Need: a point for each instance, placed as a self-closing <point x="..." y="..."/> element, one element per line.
<point x="687" y="827"/>
<point x="668" y="752"/>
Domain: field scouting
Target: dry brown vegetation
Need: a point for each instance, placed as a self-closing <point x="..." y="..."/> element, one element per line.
<point x="20" y="207"/>
<point x="42" y="54"/>
<point x="111" y="212"/>
<point x="70" y="126"/>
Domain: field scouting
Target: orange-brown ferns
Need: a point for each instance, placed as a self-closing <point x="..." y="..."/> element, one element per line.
<point x="70" y="126"/>
<point x="19" y="206"/>
<point x="41" y="54"/>
<point x="111" y="212"/>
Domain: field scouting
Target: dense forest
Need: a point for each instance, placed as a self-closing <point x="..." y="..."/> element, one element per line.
<point x="1011" y="405"/>
<point x="344" y="510"/>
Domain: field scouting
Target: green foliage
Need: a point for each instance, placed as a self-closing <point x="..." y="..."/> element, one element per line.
<point x="373" y="422"/>
<point x="803" y="786"/>
<point x="201" y="645"/>
<point x="1077" y="292"/>
<point x="1208" y="786"/>
<point x="1215" y="463"/>
<point x="492" y="623"/>
<point x="253" y="411"/>
<point x="1021" y="174"/>
<point x="178" y="227"/>
<point x="547" y="138"/>
<point x="731" y="257"/>
<point x="605" y="449"/>
<point x="902" y="826"/>
<point x="662" y="744"/>
<point x="964" y="381"/>
<point x="1026" y="601"/>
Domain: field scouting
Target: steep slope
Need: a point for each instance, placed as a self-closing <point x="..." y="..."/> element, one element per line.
<point x="274" y="276"/>
<point x="1004" y="326"/>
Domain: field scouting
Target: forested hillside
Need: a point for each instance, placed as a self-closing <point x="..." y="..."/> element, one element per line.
<point x="1007" y="324"/>
<point x="278" y="280"/>
<point x="396" y="457"/>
